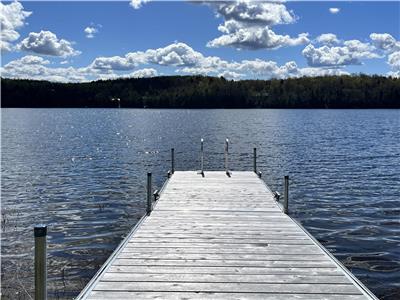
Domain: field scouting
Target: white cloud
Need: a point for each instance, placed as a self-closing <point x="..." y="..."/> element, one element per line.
<point x="35" y="67"/>
<point x="334" y="10"/>
<point x="47" y="43"/>
<point x="247" y="25"/>
<point x="254" y="12"/>
<point x="394" y="74"/>
<point x="136" y="4"/>
<point x="313" y="72"/>
<point x="394" y="61"/>
<point x="385" y="41"/>
<point x="33" y="60"/>
<point x="117" y="63"/>
<point x="230" y="75"/>
<point x="256" y="69"/>
<point x="350" y="53"/>
<point x="179" y="55"/>
<point x="90" y="31"/>
<point x="254" y="37"/>
<point x="12" y="17"/>
<point x="267" y="69"/>
<point x="144" y="73"/>
<point x="327" y="39"/>
<point x="176" y="54"/>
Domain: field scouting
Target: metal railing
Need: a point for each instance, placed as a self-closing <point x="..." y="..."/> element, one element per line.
<point x="40" y="231"/>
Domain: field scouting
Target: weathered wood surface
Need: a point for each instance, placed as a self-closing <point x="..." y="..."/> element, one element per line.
<point x="220" y="237"/>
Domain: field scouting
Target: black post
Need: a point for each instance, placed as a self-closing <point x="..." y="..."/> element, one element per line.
<point x="172" y="160"/>
<point x="40" y="233"/>
<point x="255" y="160"/>
<point x="286" y="195"/>
<point x="149" y="188"/>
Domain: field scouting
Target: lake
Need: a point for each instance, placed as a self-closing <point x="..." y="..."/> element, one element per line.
<point x="83" y="172"/>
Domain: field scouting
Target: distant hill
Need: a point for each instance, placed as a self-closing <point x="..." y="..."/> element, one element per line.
<point x="359" y="91"/>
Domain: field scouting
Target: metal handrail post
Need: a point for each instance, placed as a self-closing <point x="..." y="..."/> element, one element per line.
<point x="172" y="160"/>
<point x="149" y="194"/>
<point x="286" y="196"/>
<point x="202" y="156"/>
<point x="255" y="160"/>
<point x="226" y="156"/>
<point x="40" y="233"/>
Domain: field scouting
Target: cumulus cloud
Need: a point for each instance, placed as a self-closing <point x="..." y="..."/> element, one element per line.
<point x="12" y="17"/>
<point x="144" y="73"/>
<point x="179" y="55"/>
<point x="230" y="75"/>
<point x="32" y="60"/>
<point x="35" y="67"/>
<point x="90" y="31"/>
<point x="254" y="12"/>
<point x="394" y="74"/>
<point x="385" y="41"/>
<point x="257" y="69"/>
<point x="248" y="25"/>
<point x="313" y="72"/>
<point x="116" y="63"/>
<point x="136" y="4"/>
<point x="394" y="61"/>
<point x="267" y="69"/>
<point x="176" y="54"/>
<point x="254" y="38"/>
<point x="350" y="53"/>
<point x="47" y="43"/>
<point x="334" y="10"/>
<point x="327" y="39"/>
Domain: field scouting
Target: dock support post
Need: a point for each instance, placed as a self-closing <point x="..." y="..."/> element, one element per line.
<point x="286" y="196"/>
<point x="172" y="160"/>
<point x="255" y="160"/>
<point x="202" y="157"/>
<point x="226" y="157"/>
<point x="40" y="233"/>
<point x="149" y="192"/>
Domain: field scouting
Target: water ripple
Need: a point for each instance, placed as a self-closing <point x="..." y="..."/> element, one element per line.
<point x="82" y="171"/>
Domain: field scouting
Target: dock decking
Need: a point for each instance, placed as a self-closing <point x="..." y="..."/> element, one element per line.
<point x="220" y="237"/>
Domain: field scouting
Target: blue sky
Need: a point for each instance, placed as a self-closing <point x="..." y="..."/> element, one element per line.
<point x="275" y="40"/>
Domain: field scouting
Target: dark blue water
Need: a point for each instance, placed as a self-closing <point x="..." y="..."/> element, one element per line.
<point x="82" y="171"/>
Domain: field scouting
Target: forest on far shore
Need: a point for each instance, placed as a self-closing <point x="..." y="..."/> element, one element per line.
<point x="355" y="91"/>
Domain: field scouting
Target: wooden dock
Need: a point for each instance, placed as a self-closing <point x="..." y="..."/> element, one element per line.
<point x="221" y="237"/>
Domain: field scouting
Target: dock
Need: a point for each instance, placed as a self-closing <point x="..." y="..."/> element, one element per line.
<point x="221" y="235"/>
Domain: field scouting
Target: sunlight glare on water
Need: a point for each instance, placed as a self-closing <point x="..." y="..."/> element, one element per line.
<point x="83" y="172"/>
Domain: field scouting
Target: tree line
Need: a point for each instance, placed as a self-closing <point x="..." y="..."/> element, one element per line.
<point x="355" y="91"/>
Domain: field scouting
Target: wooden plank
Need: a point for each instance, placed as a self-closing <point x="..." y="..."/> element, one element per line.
<point x="105" y="295"/>
<point x="226" y="270"/>
<point x="228" y="287"/>
<point x="233" y="256"/>
<point x="238" y="278"/>
<point x="222" y="236"/>
<point x="209" y="242"/>
<point x="216" y="245"/>
<point x="225" y="262"/>
<point x="221" y="232"/>
<point x="175" y="250"/>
